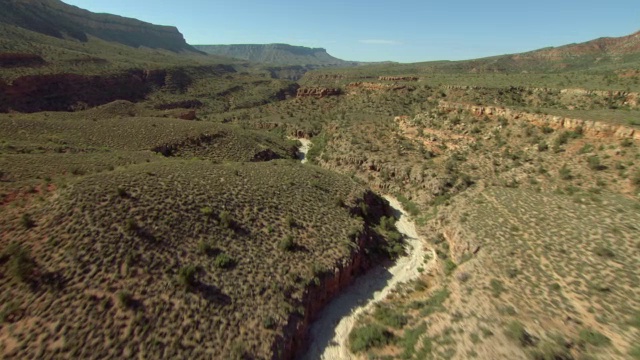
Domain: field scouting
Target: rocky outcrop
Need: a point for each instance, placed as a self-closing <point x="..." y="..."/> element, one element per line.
<point x="587" y="127"/>
<point x="189" y="115"/>
<point x="318" y="92"/>
<point x="69" y="92"/>
<point x="66" y="92"/>
<point x="374" y="86"/>
<point x="331" y="283"/>
<point x="398" y="78"/>
<point x="11" y="60"/>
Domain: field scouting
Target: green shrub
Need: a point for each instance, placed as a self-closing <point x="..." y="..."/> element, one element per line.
<point x="122" y="192"/>
<point x="634" y="352"/>
<point x="516" y="332"/>
<point x="543" y="146"/>
<point x="497" y="288"/>
<point x="204" y="247"/>
<point x="565" y="173"/>
<point x="368" y="336"/>
<point x="187" y="275"/>
<point x="594" y="163"/>
<point x="449" y="266"/>
<point x="27" y="222"/>
<point x="223" y="261"/>
<point x="626" y="142"/>
<point x="411" y="207"/>
<point x="131" y="225"/>
<point x="125" y="299"/>
<point x="225" y="219"/>
<point x="287" y="243"/>
<point x="592" y="337"/>
<point x="390" y="317"/>
<point x="269" y="322"/>
<point x="206" y="211"/>
<point x="20" y="265"/>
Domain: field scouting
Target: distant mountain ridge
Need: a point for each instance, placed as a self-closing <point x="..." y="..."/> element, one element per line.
<point x="276" y="54"/>
<point x="57" y="19"/>
<point x="605" y="52"/>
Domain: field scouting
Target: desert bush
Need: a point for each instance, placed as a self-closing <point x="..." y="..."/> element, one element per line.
<point x="131" y="225"/>
<point x="125" y="299"/>
<point x="27" y="221"/>
<point x="287" y="243"/>
<point x="594" y="163"/>
<point x="225" y="219"/>
<point x="206" y="211"/>
<point x="449" y="266"/>
<point x="20" y="264"/>
<point x="122" y="192"/>
<point x="223" y="261"/>
<point x="204" y="247"/>
<point x="269" y="323"/>
<point x="497" y="287"/>
<point x="516" y="332"/>
<point x="390" y="317"/>
<point x="543" y="146"/>
<point x="368" y="336"/>
<point x="593" y="337"/>
<point x="187" y="275"/>
<point x="565" y="173"/>
<point x="411" y="207"/>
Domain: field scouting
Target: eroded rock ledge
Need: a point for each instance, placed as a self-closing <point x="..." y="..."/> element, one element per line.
<point x="587" y="127"/>
<point x="398" y="78"/>
<point x="318" y="92"/>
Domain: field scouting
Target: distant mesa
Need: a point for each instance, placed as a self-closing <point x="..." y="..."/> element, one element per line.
<point x="57" y="19"/>
<point x="277" y="54"/>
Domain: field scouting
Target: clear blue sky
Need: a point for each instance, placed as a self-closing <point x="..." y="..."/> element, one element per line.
<point x="377" y="30"/>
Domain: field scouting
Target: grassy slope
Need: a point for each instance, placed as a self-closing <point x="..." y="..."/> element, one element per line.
<point x="98" y="242"/>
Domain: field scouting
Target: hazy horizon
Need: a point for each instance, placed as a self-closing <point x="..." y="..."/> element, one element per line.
<point x="405" y="31"/>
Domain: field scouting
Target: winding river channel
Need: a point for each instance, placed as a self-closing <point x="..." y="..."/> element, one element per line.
<point x="330" y="332"/>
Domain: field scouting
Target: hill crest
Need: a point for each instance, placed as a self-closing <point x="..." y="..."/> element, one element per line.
<point x="57" y="19"/>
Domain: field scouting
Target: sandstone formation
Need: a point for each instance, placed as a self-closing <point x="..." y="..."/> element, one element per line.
<point x="374" y="86"/>
<point x="587" y="127"/>
<point x="398" y="78"/>
<point x="318" y="92"/>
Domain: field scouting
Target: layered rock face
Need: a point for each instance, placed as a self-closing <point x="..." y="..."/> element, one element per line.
<point x="374" y="86"/>
<point x="68" y="92"/>
<point x="318" y="92"/>
<point x="398" y="78"/>
<point x="330" y="285"/>
<point x="57" y="19"/>
<point x="588" y="127"/>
